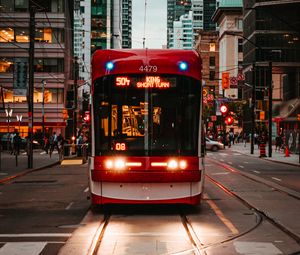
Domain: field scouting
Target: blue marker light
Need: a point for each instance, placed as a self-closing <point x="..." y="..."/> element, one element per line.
<point x="183" y="66"/>
<point x="109" y="65"/>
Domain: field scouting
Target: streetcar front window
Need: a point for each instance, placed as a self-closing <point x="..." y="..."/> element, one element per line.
<point x="145" y="121"/>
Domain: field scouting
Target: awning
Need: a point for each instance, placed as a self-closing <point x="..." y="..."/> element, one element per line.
<point x="287" y="111"/>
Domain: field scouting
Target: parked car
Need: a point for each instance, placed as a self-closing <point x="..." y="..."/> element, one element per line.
<point x="213" y="145"/>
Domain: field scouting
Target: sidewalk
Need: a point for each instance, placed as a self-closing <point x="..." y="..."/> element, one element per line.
<point x="8" y="166"/>
<point x="276" y="155"/>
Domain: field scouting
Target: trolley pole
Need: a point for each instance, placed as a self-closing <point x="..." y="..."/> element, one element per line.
<point x="31" y="85"/>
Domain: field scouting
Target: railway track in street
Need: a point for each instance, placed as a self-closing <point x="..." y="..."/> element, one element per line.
<point x="263" y="214"/>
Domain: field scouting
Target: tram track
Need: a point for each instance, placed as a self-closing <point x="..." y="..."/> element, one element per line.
<point x="262" y="214"/>
<point x="198" y="247"/>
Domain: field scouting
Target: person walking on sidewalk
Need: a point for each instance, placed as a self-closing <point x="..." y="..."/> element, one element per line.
<point x="17" y="143"/>
<point x="278" y="142"/>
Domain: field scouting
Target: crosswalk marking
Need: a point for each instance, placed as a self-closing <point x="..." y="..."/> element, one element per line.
<point x="261" y="248"/>
<point x="24" y="248"/>
<point x="37" y="235"/>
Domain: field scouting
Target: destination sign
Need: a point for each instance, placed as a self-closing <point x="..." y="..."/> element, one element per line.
<point x="145" y="82"/>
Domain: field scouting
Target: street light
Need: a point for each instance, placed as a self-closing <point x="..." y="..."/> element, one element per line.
<point x="8" y="113"/>
<point x="43" y="106"/>
<point x="270" y="96"/>
<point x="19" y="119"/>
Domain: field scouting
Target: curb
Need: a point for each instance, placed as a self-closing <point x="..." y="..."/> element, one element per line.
<point x="268" y="159"/>
<point x="9" y="178"/>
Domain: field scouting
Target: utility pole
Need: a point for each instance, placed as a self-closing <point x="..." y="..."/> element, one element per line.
<point x="270" y="108"/>
<point x="43" y="107"/>
<point x="76" y="74"/>
<point x="253" y="108"/>
<point x="31" y="84"/>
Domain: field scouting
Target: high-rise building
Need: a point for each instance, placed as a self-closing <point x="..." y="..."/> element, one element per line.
<point x="182" y="36"/>
<point x="197" y="9"/>
<point x="126" y="24"/>
<point x="111" y="24"/>
<point x="53" y="60"/>
<point x="209" y="7"/>
<point x="175" y="9"/>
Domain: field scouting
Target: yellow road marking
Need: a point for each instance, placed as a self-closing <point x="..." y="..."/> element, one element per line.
<point x="222" y="217"/>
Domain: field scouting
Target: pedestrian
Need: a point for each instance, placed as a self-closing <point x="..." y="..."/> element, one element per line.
<point x="17" y="143"/>
<point x="278" y="142"/>
<point x="11" y="142"/>
<point x="79" y="143"/>
<point x="53" y="142"/>
<point x="46" y="144"/>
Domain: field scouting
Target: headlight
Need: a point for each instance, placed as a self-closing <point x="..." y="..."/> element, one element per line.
<point x="172" y="164"/>
<point x="109" y="164"/>
<point x="119" y="164"/>
<point x="182" y="164"/>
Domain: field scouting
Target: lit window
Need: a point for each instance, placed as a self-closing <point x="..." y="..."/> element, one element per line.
<point x="6" y="35"/>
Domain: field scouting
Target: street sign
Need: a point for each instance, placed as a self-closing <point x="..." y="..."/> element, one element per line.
<point x="225" y="80"/>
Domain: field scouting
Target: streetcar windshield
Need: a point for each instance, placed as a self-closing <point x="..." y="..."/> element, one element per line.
<point x="146" y="115"/>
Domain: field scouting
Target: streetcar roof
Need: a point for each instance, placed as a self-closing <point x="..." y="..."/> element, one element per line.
<point x="130" y="61"/>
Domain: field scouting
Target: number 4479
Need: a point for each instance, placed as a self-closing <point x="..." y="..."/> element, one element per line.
<point x="148" y="68"/>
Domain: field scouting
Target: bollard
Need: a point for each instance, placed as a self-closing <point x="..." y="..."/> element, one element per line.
<point x="262" y="150"/>
<point x="16" y="159"/>
<point x="287" y="152"/>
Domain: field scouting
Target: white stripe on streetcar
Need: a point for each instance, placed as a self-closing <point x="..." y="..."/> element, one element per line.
<point x="277" y="179"/>
<point x="24" y="248"/>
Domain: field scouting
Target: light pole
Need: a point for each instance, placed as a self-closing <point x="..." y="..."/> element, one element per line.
<point x="19" y="119"/>
<point x="43" y="106"/>
<point x="8" y="113"/>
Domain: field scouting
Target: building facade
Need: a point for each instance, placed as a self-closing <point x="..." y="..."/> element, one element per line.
<point x="208" y="47"/>
<point x="273" y="45"/>
<point x="229" y="17"/>
<point x="53" y="61"/>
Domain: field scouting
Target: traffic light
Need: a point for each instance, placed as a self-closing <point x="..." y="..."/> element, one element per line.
<point x="87" y="117"/>
<point x="224" y="109"/>
<point x="229" y="120"/>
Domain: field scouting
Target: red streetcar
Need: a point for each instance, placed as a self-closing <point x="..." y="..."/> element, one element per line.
<point x="146" y="127"/>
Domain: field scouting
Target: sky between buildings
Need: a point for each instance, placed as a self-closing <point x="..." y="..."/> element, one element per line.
<point x="156" y="23"/>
